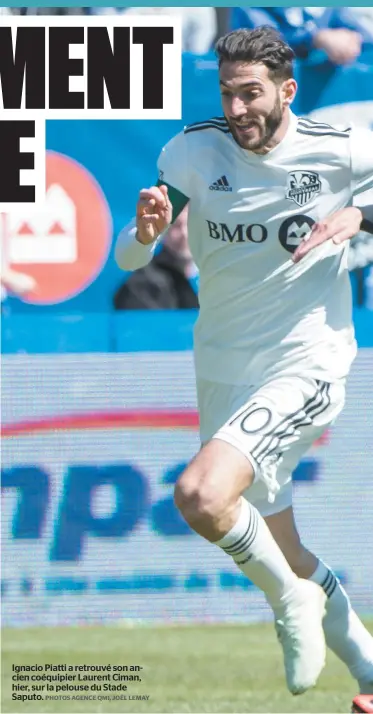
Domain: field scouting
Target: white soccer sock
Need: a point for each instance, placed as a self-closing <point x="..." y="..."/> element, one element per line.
<point x="345" y="634"/>
<point x="254" y="550"/>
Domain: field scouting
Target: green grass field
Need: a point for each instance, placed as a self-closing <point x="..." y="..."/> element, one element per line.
<point x="185" y="669"/>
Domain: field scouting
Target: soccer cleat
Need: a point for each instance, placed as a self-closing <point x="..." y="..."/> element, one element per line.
<point x="300" y="633"/>
<point x="363" y="703"/>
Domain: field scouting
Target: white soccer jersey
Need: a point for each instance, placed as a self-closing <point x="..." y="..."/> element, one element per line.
<point x="261" y="314"/>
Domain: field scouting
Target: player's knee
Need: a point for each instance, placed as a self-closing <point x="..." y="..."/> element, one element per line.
<point x="197" y="501"/>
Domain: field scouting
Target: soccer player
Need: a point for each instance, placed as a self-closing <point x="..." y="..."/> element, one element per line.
<point x="274" y="340"/>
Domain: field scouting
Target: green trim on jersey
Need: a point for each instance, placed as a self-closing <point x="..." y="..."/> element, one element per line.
<point x="178" y="199"/>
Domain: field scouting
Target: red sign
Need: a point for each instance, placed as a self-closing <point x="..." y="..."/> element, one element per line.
<point x="64" y="245"/>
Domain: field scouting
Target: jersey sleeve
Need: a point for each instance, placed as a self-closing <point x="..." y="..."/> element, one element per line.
<point x="174" y="170"/>
<point x="361" y="160"/>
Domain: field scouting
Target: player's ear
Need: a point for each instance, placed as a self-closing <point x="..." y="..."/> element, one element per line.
<point x="289" y="90"/>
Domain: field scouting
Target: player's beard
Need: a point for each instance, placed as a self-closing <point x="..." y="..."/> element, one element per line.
<point x="264" y="129"/>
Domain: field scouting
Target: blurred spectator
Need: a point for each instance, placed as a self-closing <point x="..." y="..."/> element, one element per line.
<point x="199" y="24"/>
<point x="223" y="19"/>
<point x="45" y="10"/>
<point x="165" y="283"/>
<point x="339" y="32"/>
<point x="364" y="16"/>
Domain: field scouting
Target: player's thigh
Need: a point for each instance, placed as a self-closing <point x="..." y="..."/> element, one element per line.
<point x="273" y="427"/>
<point x="220" y="471"/>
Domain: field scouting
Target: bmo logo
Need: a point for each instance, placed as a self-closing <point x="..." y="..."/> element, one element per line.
<point x="63" y="245"/>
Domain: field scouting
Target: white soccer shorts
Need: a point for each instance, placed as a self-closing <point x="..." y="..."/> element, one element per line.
<point x="273" y="425"/>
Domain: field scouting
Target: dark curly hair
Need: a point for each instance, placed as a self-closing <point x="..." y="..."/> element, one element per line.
<point x="263" y="45"/>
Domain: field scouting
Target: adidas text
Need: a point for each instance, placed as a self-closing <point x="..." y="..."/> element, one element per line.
<point x="221" y="184"/>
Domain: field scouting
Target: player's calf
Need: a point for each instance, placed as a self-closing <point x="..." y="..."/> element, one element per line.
<point x="283" y="528"/>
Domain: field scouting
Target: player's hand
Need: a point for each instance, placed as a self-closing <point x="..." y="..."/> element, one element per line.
<point x="340" y="226"/>
<point x="153" y="213"/>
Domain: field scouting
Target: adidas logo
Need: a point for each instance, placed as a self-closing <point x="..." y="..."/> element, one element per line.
<point x="221" y="185"/>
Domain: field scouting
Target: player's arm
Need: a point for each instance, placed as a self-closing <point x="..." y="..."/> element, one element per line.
<point x="157" y="207"/>
<point x="338" y="227"/>
<point x="347" y="222"/>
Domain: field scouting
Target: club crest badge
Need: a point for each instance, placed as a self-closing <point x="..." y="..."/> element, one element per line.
<point x="303" y="186"/>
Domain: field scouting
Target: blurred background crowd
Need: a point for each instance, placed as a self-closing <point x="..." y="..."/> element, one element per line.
<point x="342" y="33"/>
